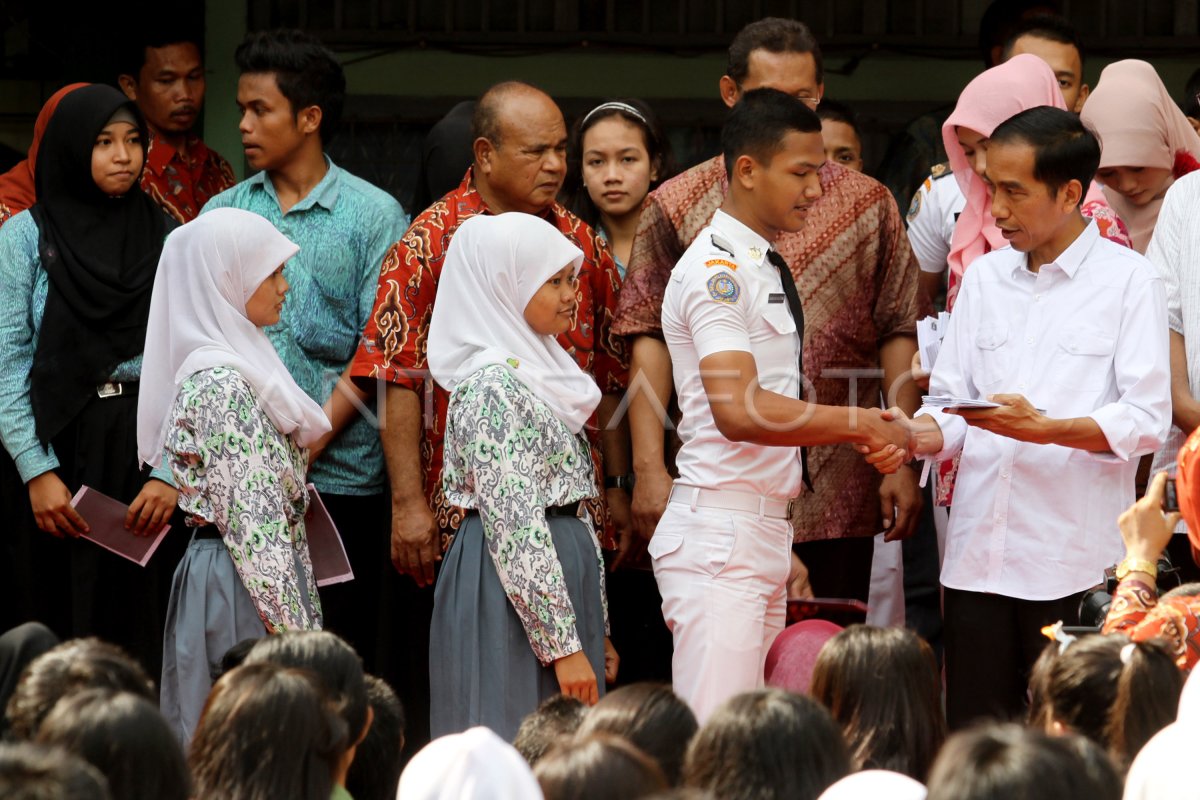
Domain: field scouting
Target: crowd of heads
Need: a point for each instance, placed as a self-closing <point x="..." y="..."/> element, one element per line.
<point x="295" y="716"/>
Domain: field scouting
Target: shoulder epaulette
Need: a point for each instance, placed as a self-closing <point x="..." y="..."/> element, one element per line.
<point x="940" y="170"/>
<point x="721" y="244"/>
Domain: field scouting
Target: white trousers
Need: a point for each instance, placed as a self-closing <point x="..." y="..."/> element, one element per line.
<point x="723" y="579"/>
<point x="885" y="601"/>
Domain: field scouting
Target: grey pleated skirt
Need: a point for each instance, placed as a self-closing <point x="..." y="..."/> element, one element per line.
<point x="482" y="670"/>
<point x="209" y="612"/>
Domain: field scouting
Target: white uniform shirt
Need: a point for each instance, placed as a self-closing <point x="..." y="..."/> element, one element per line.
<point x="719" y="301"/>
<point x="1086" y="335"/>
<point x="931" y="217"/>
<point x="1175" y="252"/>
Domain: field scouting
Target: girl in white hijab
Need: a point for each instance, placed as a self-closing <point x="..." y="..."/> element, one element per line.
<point x="473" y="765"/>
<point x="519" y="610"/>
<point x="234" y="425"/>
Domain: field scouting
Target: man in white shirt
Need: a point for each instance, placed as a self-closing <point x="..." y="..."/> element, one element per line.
<point x="1175" y="251"/>
<point x="732" y="321"/>
<point x="1063" y="321"/>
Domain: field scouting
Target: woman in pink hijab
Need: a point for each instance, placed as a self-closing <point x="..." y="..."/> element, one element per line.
<point x="1023" y="82"/>
<point x="1146" y="143"/>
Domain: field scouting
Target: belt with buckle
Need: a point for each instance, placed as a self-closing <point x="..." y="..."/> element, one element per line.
<point x="115" y="389"/>
<point x="727" y="500"/>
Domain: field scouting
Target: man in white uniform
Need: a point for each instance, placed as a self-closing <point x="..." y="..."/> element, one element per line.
<point x="730" y="319"/>
<point x="1066" y="321"/>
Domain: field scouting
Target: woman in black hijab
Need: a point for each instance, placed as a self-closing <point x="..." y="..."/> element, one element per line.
<point x="77" y="270"/>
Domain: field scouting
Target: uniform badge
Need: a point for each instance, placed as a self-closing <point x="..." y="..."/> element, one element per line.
<point x="756" y="253"/>
<point x="723" y="288"/>
<point x="720" y="262"/>
<point x="514" y="362"/>
<point x="940" y="170"/>
<point x="915" y="207"/>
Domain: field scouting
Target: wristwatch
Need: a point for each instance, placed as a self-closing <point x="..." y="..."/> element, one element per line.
<point x="619" y="482"/>
<point x="1136" y="565"/>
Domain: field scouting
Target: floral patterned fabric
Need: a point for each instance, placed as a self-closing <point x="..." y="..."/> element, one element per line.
<point x="236" y="470"/>
<point x="393" y="346"/>
<point x="1139" y="613"/>
<point x="509" y="457"/>
<point x="183" y="182"/>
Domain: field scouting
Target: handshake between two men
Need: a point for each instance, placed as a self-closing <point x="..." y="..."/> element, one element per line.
<point x="904" y="438"/>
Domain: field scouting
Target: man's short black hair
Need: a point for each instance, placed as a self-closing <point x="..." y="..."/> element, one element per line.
<point x="757" y="124"/>
<point x="1064" y="148"/>
<point x="834" y="111"/>
<point x="1001" y="18"/>
<point x="306" y="71"/>
<point x="775" y="35"/>
<point x="1050" y="27"/>
<point x="152" y="35"/>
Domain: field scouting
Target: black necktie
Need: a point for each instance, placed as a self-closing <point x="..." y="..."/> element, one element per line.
<point x="793" y="302"/>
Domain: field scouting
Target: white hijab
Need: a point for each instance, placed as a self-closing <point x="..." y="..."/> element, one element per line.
<point x="875" y="784"/>
<point x="209" y="269"/>
<point x="494" y="266"/>
<point x="473" y="765"/>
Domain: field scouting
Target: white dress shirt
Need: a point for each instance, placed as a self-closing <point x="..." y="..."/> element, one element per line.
<point x="1175" y="252"/>
<point x="724" y="295"/>
<point x="1086" y="335"/>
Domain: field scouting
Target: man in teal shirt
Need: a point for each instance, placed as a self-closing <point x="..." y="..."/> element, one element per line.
<point x="291" y="92"/>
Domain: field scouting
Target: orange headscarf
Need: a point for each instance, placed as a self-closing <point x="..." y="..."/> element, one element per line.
<point x="16" y="185"/>
<point x="1187" y="483"/>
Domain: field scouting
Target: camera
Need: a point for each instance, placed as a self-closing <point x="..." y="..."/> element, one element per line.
<point x="1093" y="608"/>
<point x="1170" y="497"/>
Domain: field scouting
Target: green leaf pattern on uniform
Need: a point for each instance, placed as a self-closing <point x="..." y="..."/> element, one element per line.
<point x="510" y="457"/>
<point x="236" y="470"/>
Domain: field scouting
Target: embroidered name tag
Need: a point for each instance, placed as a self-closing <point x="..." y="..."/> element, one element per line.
<point x="720" y="262"/>
<point x="775" y="297"/>
<point x="723" y="288"/>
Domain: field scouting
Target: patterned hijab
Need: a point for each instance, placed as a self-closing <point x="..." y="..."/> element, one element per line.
<point x="494" y="266"/>
<point x="210" y="268"/>
<point x="1021" y="83"/>
<point x="1139" y="125"/>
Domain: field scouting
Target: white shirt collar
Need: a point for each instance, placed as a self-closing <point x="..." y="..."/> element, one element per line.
<point x="1070" y="260"/>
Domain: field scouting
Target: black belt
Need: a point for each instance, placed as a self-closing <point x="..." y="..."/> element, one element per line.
<point x="207" y="532"/>
<point x="569" y="510"/>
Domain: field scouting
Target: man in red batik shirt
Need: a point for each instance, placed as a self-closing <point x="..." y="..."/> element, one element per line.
<point x="519" y="165"/>
<point x="164" y="75"/>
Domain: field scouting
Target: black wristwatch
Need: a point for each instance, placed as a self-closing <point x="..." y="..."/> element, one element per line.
<point x="619" y="482"/>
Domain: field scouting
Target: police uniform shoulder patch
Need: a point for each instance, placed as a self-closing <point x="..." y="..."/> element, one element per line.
<point x="941" y="170"/>
<point x="915" y="207"/>
<point x="723" y="288"/>
<point x="720" y="262"/>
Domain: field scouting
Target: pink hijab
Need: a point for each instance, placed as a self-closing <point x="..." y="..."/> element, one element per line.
<point x="1021" y="83"/>
<point x="1139" y="125"/>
